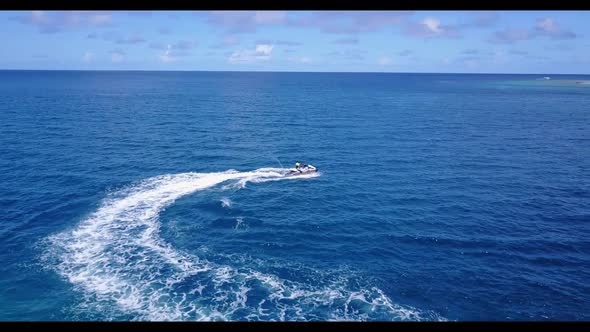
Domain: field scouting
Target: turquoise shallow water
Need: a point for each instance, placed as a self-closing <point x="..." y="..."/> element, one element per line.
<point x="159" y="196"/>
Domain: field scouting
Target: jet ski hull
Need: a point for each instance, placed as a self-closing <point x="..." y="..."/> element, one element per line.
<point x="307" y="170"/>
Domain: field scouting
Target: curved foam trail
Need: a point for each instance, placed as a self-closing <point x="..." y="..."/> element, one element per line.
<point x="117" y="259"/>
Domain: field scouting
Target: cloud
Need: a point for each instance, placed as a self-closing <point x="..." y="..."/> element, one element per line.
<point x="262" y="52"/>
<point x="130" y="40"/>
<point x="431" y="27"/>
<point x="350" y="21"/>
<point x="181" y="45"/>
<point x="270" y="17"/>
<point x="167" y="57"/>
<point x="245" y="21"/>
<point x="468" y="58"/>
<point x="56" y="21"/>
<point x="158" y="46"/>
<point x="583" y="60"/>
<point x="346" y="41"/>
<point x="559" y="47"/>
<point x="500" y="58"/>
<point x="265" y="49"/>
<point x="117" y="56"/>
<point x="87" y="57"/>
<point x="111" y="36"/>
<point x="229" y="40"/>
<point x="286" y="42"/>
<point x="470" y="51"/>
<point x="173" y="51"/>
<point x="470" y="61"/>
<point x="303" y="59"/>
<point x="480" y="20"/>
<point x="510" y="35"/>
<point x="92" y="35"/>
<point x="518" y="52"/>
<point x="484" y="20"/>
<point x="385" y="61"/>
<point x="278" y="42"/>
<point x="289" y="50"/>
<point x="164" y="31"/>
<point x="184" y="45"/>
<point x="405" y="53"/>
<point x="350" y="54"/>
<point x="473" y="56"/>
<point x="545" y="27"/>
<point x="38" y="17"/>
<point x="99" y="19"/>
<point x="140" y="13"/>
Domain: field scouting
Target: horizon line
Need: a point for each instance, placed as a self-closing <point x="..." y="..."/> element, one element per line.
<point x="279" y="71"/>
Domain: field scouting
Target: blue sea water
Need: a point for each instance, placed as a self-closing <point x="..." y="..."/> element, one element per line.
<point x="158" y="196"/>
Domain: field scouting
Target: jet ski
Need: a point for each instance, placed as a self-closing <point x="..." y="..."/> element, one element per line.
<point x="304" y="169"/>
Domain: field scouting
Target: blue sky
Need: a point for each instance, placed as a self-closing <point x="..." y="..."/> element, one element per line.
<point x="350" y="41"/>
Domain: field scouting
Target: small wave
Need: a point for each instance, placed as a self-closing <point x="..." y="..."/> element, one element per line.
<point x="239" y="223"/>
<point x="116" y="258"/>
<point x="225" y="202"/>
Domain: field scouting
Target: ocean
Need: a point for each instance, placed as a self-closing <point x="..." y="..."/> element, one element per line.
<point x="152" y="196"/>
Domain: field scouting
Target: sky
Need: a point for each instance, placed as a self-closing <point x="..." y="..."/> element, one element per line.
<point x="326" y="41"/>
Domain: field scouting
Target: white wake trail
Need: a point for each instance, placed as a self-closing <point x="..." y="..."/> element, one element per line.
<point x="116" y="256"/>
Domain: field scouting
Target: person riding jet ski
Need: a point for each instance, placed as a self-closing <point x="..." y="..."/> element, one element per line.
<point x="301" y="168"/>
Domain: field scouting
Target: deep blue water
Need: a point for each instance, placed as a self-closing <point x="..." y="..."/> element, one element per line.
<point x="156" y="196"/>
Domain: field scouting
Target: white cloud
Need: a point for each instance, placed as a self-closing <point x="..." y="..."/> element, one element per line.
<point x="264" y="49"/>
<point x="385" y="61"/>
<point x="269" y="17"/>
<point x="230" y="40"/>
<point x="305" y="59"/>
<point x="166" y="57"/>
<point x="241" y="21"/>
<point x="38" y="17"/>
<point x="432" y="25"/>
<point x="87" y="57"/>
<point x="262" y="52"/>
<point x="55" y="21"/>
<point x="547" y="25"/>
<point x="100" y="19"/>
<point x="511" y="35"/>
<point x="116" y="56"/>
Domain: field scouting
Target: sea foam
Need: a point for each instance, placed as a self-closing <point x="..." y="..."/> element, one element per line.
<point x="116" y="258"/>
